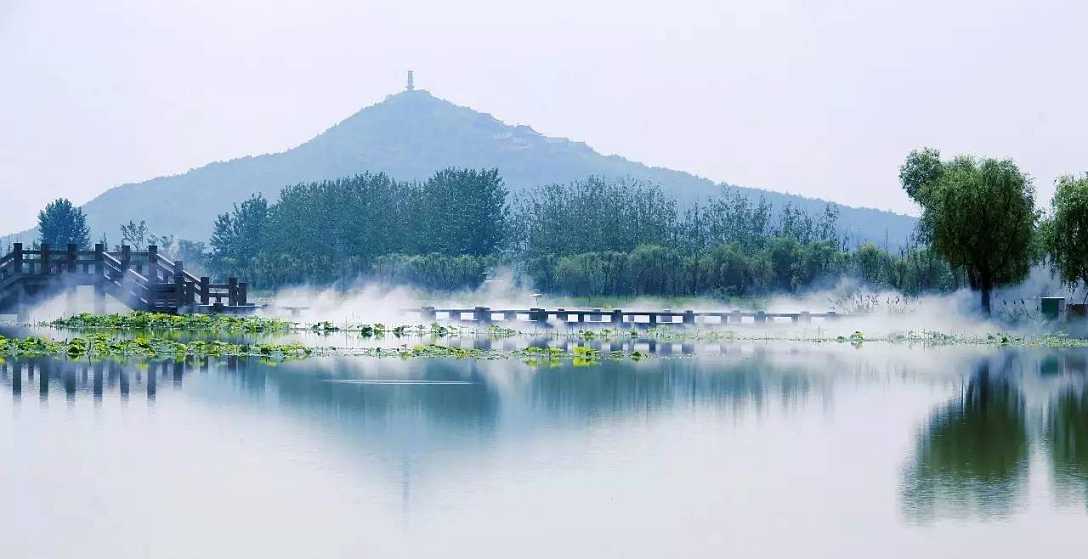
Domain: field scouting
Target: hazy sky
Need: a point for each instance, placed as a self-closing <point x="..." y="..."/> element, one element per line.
<point x="822" y="98"/>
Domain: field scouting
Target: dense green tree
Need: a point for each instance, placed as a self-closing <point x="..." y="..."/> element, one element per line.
<point x="783" y="265"/>
<point x="726" y="271"/>
<point x="436" y="271"/>
<point x="461" y="211"/>
<point x="61" y="223"/>
<point x="237" y="238"/>
<point x="594" y="215"/>
<point x="193" y="254"/>
<point x="590" y="237"/>
<point x="922" y="169"/>
<point x="976" y="213"/>
<point x="1067" y="230"/>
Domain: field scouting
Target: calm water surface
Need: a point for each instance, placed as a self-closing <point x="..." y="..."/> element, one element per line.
<point x="748" y="450"/>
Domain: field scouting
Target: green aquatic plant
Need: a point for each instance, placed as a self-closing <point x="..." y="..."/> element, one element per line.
<point x="138" y="320"/>
<point x="497" y="331"/>
<point x="103" y="346"/>
<point x="534" y="356"/>
<point x="584" y="356"/>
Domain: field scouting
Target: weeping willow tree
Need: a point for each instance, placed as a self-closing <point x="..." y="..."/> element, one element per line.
<point x="1067" y="231"/>
<point x="979" y="214"/>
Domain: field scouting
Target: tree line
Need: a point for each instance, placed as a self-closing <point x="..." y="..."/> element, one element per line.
<point x="589" y="237"/>
<point x="979" y="227"/>
<point x="330" y="231"/>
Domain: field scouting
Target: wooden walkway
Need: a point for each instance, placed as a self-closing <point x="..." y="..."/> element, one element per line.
<point x="142" y="280"/>
<point x="615" y="316"/>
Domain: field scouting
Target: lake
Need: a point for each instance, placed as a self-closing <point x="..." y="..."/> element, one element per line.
<point x="739" y="449"/>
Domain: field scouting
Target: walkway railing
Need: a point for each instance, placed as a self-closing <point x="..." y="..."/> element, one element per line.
<point x="144" y="280"/>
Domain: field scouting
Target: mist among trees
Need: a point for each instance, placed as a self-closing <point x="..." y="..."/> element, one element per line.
<point x="596" y="236"/>
<point x="588" y="237"/>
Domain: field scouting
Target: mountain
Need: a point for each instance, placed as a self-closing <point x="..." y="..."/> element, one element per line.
<point x="410" y="135"/>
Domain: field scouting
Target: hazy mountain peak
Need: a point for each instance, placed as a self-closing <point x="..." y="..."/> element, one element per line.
<point x="409" y="135"/>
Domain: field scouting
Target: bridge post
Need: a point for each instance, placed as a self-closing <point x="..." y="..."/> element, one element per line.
<point x="44" y="262"/>
<point x="243" y="292"/>
<point x="737" y="317"/>
<point x="689" y="317"/>
<point x="616" y="316"/>
<point x="70" y="300"/>
<point x="21" y="310"/>
<point x="205" y="288"/>
<point x="427" y="314"/>
<point x="99" y="259"/>
<point x="153" y="263"/>
<point x="17" y="250"/>
<point x="482" y="314"/>
<point x="232" y="292"/>
<point x="99" y="279"/>
<point x="72" y="258"/>
<point x="126" y="259"/>
<point x="179" y="285"/>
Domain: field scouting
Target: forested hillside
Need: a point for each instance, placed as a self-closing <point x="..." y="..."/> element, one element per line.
<point x="410" y="136"/>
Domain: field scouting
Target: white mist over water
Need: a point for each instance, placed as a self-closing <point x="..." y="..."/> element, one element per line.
<point x="874" y="313"/>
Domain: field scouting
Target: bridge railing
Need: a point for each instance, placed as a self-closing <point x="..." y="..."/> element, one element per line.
<point x="146" y="278"/>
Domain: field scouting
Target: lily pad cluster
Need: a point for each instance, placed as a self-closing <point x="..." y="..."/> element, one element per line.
<point x="534" y="356"/>
<point x="104" y="346"/>
<point x="152" y="321"/>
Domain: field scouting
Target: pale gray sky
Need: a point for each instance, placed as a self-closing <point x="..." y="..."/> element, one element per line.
<point x="821" y="98"/>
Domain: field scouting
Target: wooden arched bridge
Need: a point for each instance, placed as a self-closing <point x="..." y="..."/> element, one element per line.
<point x="143" y="280"/>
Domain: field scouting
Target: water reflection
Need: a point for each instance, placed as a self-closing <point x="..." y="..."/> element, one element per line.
<point x="619" y="388"/>
<point x="972" y="456"/>
<point x="52" y="376"/>
<point x="449" y="393"/>
<point x="1067" y="439"/>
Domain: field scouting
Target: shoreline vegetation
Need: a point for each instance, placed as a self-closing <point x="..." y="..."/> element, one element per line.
<point x="601" y="237"/>
<point x="593" y="237"/>
<point x="149" y="336"/>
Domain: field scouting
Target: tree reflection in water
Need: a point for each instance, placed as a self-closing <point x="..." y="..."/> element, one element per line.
<point x="969" y="460"/>
<point x="1067" y="439"/>
<point x="972" y="457"/>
